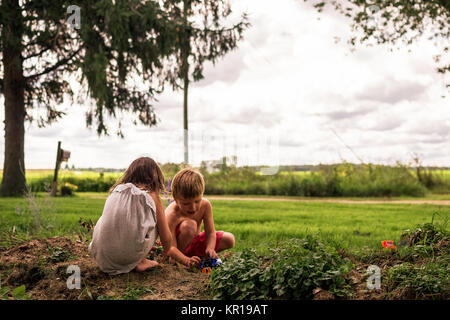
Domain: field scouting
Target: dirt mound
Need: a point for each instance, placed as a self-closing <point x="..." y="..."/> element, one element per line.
<point x="43" y="267"/>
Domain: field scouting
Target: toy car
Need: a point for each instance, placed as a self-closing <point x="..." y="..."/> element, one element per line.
<point x="210" y="263"/>
<point x="388" y="244"/>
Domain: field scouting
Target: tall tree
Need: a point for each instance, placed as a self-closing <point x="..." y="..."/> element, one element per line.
<point x="397" y="21"/>
<point x="117" y="41"/>
<point x="205" y="34"/>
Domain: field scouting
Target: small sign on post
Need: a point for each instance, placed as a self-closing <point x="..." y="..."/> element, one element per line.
<point x="65" y="155"/>
<point x="61" y="156"/>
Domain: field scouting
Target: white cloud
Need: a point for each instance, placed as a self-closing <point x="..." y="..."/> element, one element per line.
<point x="290" y="80"/>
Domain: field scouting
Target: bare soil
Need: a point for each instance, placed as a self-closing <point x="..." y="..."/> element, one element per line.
<point x="37" y="265"/>
<point x="42" y="264"/>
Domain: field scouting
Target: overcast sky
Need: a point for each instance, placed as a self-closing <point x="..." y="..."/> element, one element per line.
<point x="290" y="94"/>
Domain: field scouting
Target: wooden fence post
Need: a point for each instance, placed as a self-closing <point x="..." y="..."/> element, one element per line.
<point x="55" y="174"/>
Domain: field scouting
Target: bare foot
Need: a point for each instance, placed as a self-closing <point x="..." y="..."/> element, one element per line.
<point x="146" y="264"/>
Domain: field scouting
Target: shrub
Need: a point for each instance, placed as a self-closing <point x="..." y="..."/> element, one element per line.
<point x="291" y="271"/>
<point x="330" y="180"/>
<point x="343" y="179"/>
<point x="67" y="189"/>
<point x="426" y="274"/>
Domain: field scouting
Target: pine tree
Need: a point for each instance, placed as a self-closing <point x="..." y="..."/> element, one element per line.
<point x="116" y="41"/>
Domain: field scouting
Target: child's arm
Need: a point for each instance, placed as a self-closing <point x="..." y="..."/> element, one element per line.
<point x="166" y="236"/>
<point x="210" y="231"/>
<point x="172" y="223"/>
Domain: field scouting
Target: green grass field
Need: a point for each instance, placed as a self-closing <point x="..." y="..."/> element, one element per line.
<point x="258" y="224"/>
<point x="343" y="225"/>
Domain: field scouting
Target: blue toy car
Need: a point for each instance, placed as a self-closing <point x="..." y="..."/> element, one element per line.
<point x="210" y="263"/>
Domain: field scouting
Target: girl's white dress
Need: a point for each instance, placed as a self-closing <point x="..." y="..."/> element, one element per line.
<point x="126" y="231"/>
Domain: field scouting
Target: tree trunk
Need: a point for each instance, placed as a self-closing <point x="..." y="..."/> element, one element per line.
<point x="13" y="182"/>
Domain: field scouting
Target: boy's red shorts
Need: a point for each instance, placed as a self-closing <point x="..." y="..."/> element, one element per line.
<point x="197" y="247"/>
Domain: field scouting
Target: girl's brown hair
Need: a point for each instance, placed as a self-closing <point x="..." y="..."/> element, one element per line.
<point x="143" y="172"/>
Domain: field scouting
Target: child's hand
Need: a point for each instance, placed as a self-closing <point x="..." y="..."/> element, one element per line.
<point x="211" y="253"/>
<point x="164" y="256"/>
<point x="192" y="261"/>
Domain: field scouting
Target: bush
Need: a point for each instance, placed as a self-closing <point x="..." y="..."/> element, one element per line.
<point x="332" y="180"/>
<point x="84" y="184"/>
<point x="67" y="189"/>
<point x="426" y="274"/>
<point x="291" y="271"/>
<point x="349" y="180"/>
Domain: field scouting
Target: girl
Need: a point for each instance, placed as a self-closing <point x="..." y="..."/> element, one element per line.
<point x="131" y="220"/>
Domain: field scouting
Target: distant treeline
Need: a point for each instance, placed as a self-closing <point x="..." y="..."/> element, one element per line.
<point x="96" y="169"/>
<point x="344" y="179"/>
<point x="315" y="168"/>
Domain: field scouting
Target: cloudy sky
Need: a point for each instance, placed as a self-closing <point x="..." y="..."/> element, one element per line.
<point x="290" y="94"/>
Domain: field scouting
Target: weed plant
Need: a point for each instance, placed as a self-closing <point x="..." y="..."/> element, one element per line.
<point x="291" y="271"/>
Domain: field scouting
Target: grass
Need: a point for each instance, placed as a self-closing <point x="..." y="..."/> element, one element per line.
<point x="266" y="262"/>
<point x="259" y="224"/>
<point x="344" y="225"/>
<point x="103" y="195"/>
<point x="430" y="196"/>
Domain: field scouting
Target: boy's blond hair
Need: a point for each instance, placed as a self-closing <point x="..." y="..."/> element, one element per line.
<point x="188" y="184"/>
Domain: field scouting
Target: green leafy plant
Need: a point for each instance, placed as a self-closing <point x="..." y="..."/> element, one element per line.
<point x="426" y="274"/>
<point x="291" y="271"/>
<point x="18" y="293"/>
<point x="240" y="277"/>
<point x="58" y="254"/>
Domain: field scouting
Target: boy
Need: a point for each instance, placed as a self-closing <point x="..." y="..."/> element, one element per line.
<point x="186" y="214"/>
